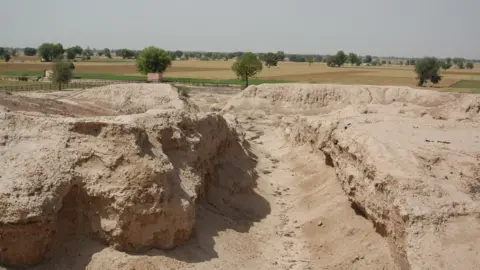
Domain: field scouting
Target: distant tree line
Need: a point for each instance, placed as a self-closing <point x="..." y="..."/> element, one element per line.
<point x="51" y="51"/>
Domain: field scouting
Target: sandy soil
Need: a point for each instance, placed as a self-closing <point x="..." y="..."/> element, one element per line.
<point x="303" y="219"/>
<point x="298" y="217"/>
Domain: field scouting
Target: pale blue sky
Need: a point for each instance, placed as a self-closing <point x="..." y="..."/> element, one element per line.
<point x="379" y="27"/>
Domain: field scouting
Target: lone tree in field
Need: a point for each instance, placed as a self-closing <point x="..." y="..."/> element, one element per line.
<point x="71" y="54"/>
<point x="337" y="60"/>
<point x="354" y="59"/>
<point x="62" y="73"/>
<point x="446" y="64"/>
<point x="107" y="53"/>
<point x="427" y="69"/>
<point x="367" y="59"/>
<point x="271" y="59"/>
<point x="280" y="56"/>
<point x="6" y="57"/>
<point x="153" y="60"/>
<point x="178" y="54"/>
<point x="247" y="66"/>
<point x="29" y="51"/>
<point x="341" y="58"/>
<point x="50" y="51"/>
<point x="469" y="65"/>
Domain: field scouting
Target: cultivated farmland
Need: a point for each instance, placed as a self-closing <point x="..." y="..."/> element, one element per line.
<point x="286" y="71"/>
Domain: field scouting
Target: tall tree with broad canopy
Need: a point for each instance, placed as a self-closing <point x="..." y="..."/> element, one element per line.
<point x="62" y="73"/>
<point x="427" y="69"/>
<point x="29" y="51"/>
<point x="280" y="56"/>
<point x="354" y="59"/>
<point x="368" y="59"/>
<point x="247" y="66"/>
<point x="7" y="57"/>
<point x="271" y="59"/>
<point x="153" y="60"/>
<point x="50" y="51"/>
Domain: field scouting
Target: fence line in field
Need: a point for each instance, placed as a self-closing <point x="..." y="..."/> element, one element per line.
<point x="40" y="86"/>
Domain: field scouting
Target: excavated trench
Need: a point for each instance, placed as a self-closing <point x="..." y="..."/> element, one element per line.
<point x="284" y="177"/>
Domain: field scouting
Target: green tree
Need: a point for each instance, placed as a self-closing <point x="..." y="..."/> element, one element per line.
<point x="297" y="58"/>
<point x="7" y="57"/>
<point x="367" y="59"/>
<point x="384" y="62"/>
<point x="29" y="51"/>
<point x="50" y="51"/>
<point x="62" y="73"/>
<point x="459" y="62"/>
<point x="331" y="61"/>
<point x="14" y="52"/>
<point x="107" y="53"/>
<point x="71" y="54"/>
<point x="153" y="60"/>
<point x="46" y="51"/>
<point x="247" y="66"/>
<point x="427" y="69"/>
<point x="78" y="50"/>
<point x="88" y="53"/>
<point x="469" y="65"/>
<point x="354" y="59"/>
<point x="280" y="56"/>
<point x="271" y="59"/>
<point x="446" y="64"/>
<point x="2" y="51"/>
<point x="125" y="53"/>
<point x="318" y="59"/>
<point x="178" y="54"/>
<point x="310" y="61"/>
<point x="340" y="58"/>
<point x="58" y="51"/>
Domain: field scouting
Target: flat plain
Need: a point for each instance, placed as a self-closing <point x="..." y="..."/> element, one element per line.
<point x="453" y="79"/>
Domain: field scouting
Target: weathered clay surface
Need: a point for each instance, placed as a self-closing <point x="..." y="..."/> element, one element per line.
<point x="408" y="159"/>
<point x="130" y="181"/>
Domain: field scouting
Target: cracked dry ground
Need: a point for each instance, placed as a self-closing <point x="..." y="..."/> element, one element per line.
<point x="306" y="219"/>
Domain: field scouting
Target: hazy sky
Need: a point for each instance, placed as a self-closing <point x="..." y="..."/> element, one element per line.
<point x="379" y="27"/>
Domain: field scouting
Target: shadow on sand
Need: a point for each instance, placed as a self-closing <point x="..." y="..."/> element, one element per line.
<point x="227" y="201"/>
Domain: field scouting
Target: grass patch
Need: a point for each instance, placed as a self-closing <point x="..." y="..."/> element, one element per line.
<point x="473" y="84"/>
<point x="22" y="73"/>
<point x="220" y="82"/>
<point x="108" y="77"/>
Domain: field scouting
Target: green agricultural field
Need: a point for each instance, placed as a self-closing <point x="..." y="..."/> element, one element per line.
<point x="219" y="72"/>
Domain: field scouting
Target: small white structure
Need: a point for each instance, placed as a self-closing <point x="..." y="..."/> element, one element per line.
<point x="48" y="74"/>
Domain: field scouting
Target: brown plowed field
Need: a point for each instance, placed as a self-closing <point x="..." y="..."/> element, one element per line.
<point x="117" y="69"/>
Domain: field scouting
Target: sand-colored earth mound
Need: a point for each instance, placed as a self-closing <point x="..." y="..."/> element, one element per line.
<point x="287" y="176"/>
<point x="131" y="181"/>
<point x="408" y="159"/>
